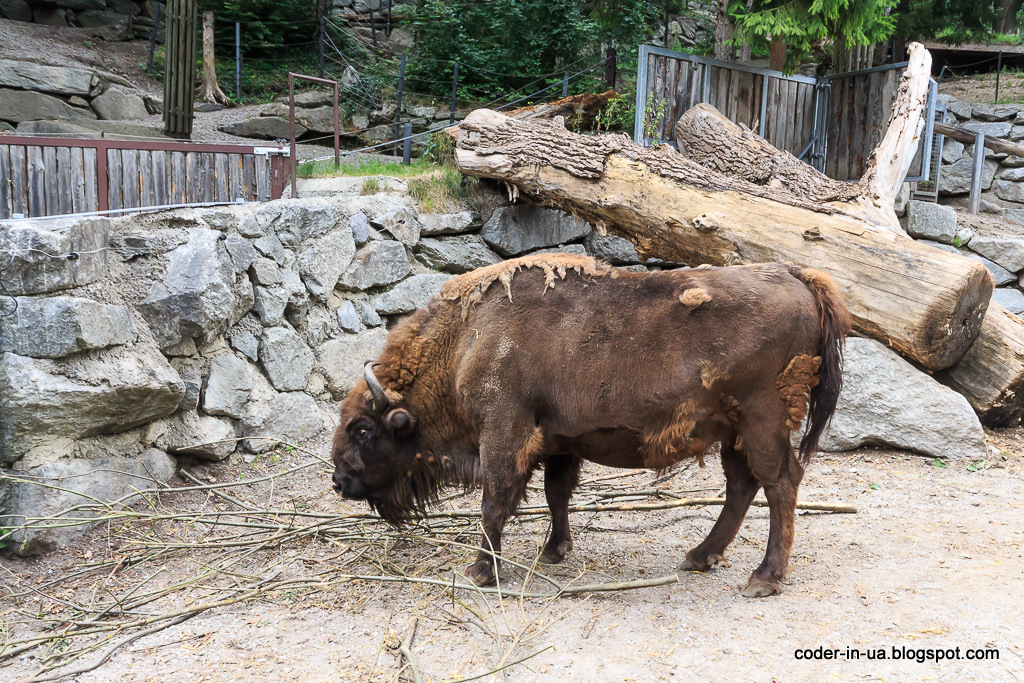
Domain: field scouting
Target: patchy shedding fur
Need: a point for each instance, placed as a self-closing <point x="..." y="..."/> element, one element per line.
<point x="664" y="447"/>
<point x="529" y="452"/>
<point x="694" y="297"/>
<point x="795" y="384"/>
<point x="469" y="288"/>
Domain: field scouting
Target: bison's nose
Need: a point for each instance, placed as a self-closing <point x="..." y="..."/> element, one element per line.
<point x="348" y="486"/>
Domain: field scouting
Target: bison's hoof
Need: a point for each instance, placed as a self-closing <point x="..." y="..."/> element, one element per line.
<point x="555" y="552"/>
<point x="481" y="572"/>
<point x="693" y="563"/>
<point x="758" y="588"/>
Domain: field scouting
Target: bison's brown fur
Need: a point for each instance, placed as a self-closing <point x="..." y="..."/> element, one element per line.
<point x="570" y="359"/>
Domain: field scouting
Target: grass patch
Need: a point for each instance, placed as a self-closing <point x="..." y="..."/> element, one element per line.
<point x="365" y="166"/>
<point x="372" y="185"/>
<point x="444" y="191"/>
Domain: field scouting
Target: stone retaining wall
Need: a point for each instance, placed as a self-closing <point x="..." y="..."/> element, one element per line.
<point x="106" y="19"/>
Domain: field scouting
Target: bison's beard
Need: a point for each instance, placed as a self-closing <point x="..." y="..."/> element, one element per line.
<point x="411" y="496"/>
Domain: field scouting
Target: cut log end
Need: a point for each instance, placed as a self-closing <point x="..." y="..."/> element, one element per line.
<point x="946" y="336"/>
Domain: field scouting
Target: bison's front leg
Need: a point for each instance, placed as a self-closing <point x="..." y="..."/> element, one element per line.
<point x="506" y="457"/>
<point x="561" y="474"/>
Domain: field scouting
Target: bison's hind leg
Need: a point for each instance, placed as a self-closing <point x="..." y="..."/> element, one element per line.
<point x="740" y="488"/>
<point x="561" y="474"/>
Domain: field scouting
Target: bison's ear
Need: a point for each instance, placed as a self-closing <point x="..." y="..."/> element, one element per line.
<point x="400" y="422"/>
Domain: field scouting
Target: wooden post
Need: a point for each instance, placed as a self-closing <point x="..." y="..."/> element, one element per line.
<point x="565" y="84"/>
<point x="238" y="61"/>
<point x="180" y="69"/>
<point x="609" y="68"/>
<point x="455" y="88"/>
<point x="320" y="45"/>
<point x="999" y="71"/>
<point x="407" y="144"/>
<point x="398" y="109"/>
<point x="211" y="91"/>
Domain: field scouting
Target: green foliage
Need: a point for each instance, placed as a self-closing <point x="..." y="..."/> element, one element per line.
<point x="627" y="23"/>
<point x="618" y="114"/>
<point x="271" y="29"/>
<point x="654" y="115"/>
<point x="948" y="21"/>
<point x="804" y="24"/>
<point x="365" y="166"/>
<point x="500" y="45"/>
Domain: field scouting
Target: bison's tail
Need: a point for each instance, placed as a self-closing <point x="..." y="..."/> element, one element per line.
<point x="835" y="325"/>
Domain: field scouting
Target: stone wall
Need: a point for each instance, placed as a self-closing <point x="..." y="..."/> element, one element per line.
<point x="106" y="19"/>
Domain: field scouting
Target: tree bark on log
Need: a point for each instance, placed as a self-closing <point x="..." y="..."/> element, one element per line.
<point x="926" y="305"/>
<point x="577" y="111"/>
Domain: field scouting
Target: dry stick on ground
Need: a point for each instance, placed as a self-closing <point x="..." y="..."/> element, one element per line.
<point x="406" y="649"/>
<point x="926" y="305"/>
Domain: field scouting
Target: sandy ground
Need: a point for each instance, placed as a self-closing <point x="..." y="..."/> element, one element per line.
<point x="932" y="559"/>
<point x="982" y="87"/>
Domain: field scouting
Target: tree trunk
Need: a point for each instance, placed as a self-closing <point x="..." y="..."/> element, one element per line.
<point x="724" y="29"/>
<point x="777" y="56"/>
<point x="209" y="90"/>
<point x="926" y="305"/>
<point x="1006" y="21"/>
<point x="745" y="50"/>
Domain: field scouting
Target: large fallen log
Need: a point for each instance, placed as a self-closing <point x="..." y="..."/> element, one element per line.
<point x="577" y="111"/>
<point x="997" y="145"/>
<point x="926" y="305"/>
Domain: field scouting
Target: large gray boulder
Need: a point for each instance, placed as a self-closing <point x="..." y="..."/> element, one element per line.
<point x="517" y="229"/>
<point x="27" y="105"/>
<point x="457" y="254"/>
<point x="887" y="401"/>
<point x="401" y="222"/>
<point x="59" y="326"/>
<point x="340" y="361"/>
<point x="448" y="223"/>
<point x="931" y="221"/>
<point x="94" y="392"/>
<point x="62" y="80"/>
<point x="294" y="221"/>
<point x="956" y="178"/>
<point x="324" y="260"/>
<point x="1005" y="249"/>
<point x="409" y="295"/>
<point x="616" y="250"/>
<point x="227" y="387"/>
<point x="41" y="249"/>
<point x="286" y="359"/>
<point x="1001" y="276"/>
<point x="15" y="10"/>
<point x="117" y="104"/>
<point x="198" y="298"/>
<point x="1009" y="298"/>
<point x="189" y="433"/>
<point x="263" y="128"/>
<point x="53" y="487"/>
<point x="379" y="263"/>
<point x="292" y="417"/>
<point x="994" y="112"/>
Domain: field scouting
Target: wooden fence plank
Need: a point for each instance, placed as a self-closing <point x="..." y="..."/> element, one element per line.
<point x="75" y="172"/>
<point x="262" y="177"/>
<point x="161" y="178"/>
<point x="5" y="182"/>
<point x="49" y="181"/>
<point x="194" y="177"/>
<point x="249" y="177"/>
<point x="234" y="176"/>
<point x="130" y="171"/>
<point x="179" y="178"/>
<point x="91" y="188"/>
<point x="222" y="177"/>
<point x="36" y="182"/>
<point x="115" y="182"/>
<point x="147" y="196"/>
<point x="19" y="179"/>
<point x="63" y="180"/>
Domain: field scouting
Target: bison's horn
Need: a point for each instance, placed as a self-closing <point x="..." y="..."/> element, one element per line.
<point x="380" y="399"/>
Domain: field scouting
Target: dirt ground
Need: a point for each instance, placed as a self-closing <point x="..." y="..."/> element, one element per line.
<point x="933" y="558"/>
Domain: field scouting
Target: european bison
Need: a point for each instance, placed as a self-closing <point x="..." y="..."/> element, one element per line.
<point x="546" y="361"/>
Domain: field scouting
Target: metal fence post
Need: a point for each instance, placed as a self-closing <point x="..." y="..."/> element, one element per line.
<point x="389" y="20"/>
<point x="373" y="32"/>
<point x="565" y="84"/>
<point x="407" y="144"/>
<point x="455" y="88"/>
<point x="320" y="46"/>
<point x="999" y="70"/>
<point x="238" y="60"/>
<point x="398" y="109"/>
<point x="609" y="68"/>
<point x="291" y="132"/>
<point x="977" y="172"/>
<point x="152" y="37"/>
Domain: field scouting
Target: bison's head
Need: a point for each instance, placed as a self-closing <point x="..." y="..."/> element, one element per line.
<point x="376" y="456"/>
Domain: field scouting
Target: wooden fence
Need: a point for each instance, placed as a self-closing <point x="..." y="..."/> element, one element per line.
<point x="832" y="122"/>
<point x="54" y="176"/>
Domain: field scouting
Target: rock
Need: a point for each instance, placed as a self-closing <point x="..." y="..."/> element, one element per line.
<point x="611" y="248"/>
<point x="241" y="252"/>
<point x="227" y="387"/>
<point x="286" y="359"/>
<point x="323" y="262"/>
<point x="75" y="482"/>
<point x="448" y="223"/>
<point x="367" y="315"/>
<point x="6" y="127"/>
<point x="295" y="220"/>
<point x="341" y="361"/>
<point x="50" y="16"/>
<point x="931" y="221"/>
<point x="207" y="107"/>
<point x="269" y="304"/>
<point x="15" y="10"/>
<point x="952" y="151"/>
<point x="94" y="392"/>
<point x="514" y="230"/>
<point x="575" y="249"/>
<point x="263" y="128"/>
<point x="902" y="197"/>
<point x="154" y="105"/>
<point x="202" y="436"/>
<point x="109" y="26"/>
<point x="62" y="325"/>
<point x="321" y="324"/>
<point x="409" y="294"/>
<point x="197" y="298"/>
<point x="52" y="79"/>
<point x="34" y="272"/>
<point x="886" y="401"/>
<point x="89" y="128"/>
<point x="992" y="130"/>
<point x="377" y="264"/>
<point x="1014" y="174"/>
<point x="292" y="418"/>
<point x="264" y="271"/>
<point x="457" y="254"/>
<point x="360" y="226"/>
<point x="1009" y="190"/>
<point x="1013" y="161"/>
<point x="247" y="344"/>
<point x="190" y="400"/>
<point x="1006" y="250"/>
<point x="360" y="121"/>
<point x="961" y="110"/>
<point x="348" y="319"/>
<point x="994" y="112"/>
<point x="402" y="223"/>
<point x="402" y="40"/>
<point x="956" y="178"/>
<point x="270" y="246"/>
<point x="424" y="112"/>
<point x="117" y="104"/>
<point x="1010" y="299"/>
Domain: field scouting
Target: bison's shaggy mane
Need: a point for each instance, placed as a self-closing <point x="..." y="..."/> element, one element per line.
<point x="471" y="287"/>
<point x="412" y="495"/>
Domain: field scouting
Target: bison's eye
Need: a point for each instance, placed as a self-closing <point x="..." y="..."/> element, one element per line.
<point x="362" y="434"/>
